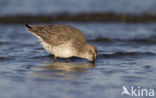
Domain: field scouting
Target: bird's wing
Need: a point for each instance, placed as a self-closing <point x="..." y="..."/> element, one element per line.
<point x="57" y="39"/>
<point x="57" y="35"/>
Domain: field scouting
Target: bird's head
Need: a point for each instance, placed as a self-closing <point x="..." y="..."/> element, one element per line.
<point x="90" y="53"/>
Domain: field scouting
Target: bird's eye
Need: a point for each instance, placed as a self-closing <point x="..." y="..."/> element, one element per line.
<point x="93" y="54"/>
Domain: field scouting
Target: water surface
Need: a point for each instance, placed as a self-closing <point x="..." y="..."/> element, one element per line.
<point x="127" y="56"/>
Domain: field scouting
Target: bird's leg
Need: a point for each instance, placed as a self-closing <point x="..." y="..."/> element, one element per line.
<point x="68" y="60"/>
<point x="55" y="58"/>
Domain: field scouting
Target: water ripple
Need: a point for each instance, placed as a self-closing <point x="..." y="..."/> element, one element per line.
<point x="118" y="55"/>
<point x="149" y="40"/>
<point x="4" y="58"/>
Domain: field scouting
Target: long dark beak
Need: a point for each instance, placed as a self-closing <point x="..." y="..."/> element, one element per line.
<point x="28" y="26"/>
<point x="93" y="61"/>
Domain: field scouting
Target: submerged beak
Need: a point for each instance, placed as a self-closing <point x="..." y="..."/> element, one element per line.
<point x="93" y="61"/>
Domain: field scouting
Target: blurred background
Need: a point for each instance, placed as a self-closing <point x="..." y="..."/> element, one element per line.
<point x="35" y="7"/>
<point x="124" y="32"/>
<point x="21" y="11"/>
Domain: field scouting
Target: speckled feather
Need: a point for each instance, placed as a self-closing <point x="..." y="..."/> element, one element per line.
<point x="51" y="33"/>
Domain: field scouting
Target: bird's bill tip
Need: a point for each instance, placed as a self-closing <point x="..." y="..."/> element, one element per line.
<point x="93" y="61"/>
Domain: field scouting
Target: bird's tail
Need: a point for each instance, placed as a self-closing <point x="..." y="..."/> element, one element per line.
<point x="28" y="26"/>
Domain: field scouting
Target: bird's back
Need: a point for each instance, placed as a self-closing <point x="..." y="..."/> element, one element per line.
<point x="59" y="34"/>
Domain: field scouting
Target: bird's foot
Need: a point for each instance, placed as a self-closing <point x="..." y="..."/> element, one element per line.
<point x="55" y="59"/>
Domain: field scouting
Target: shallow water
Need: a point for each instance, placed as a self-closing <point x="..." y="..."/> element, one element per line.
<point x="127" y="56"/>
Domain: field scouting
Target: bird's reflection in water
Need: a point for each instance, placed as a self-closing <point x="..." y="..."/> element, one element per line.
<point x="67" y="70"/>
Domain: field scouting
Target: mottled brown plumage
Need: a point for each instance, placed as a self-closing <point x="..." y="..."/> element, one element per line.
<point x="64" y="41"/>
